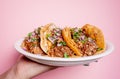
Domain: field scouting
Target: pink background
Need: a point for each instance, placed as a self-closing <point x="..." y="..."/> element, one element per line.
<point x="18" y="17"/>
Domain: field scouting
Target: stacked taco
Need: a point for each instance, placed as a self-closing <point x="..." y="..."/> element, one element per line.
<point x="54" y="41"/>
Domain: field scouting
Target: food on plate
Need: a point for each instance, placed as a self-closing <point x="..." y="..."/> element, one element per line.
<point x="85" y="41"/>
<point x="31" y="43"/>
<point x="53" y="41"/>
<point x="96" y="34"/>
<point x="66" y="33"/>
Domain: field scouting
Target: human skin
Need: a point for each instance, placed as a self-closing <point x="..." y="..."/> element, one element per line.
<point x="25" y="69"/>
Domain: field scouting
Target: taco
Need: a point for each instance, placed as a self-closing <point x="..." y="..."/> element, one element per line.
<point x="85" y="41"/>
<point x="52" y="42"/>
<point x="31" y="43"/>
<point x="97" y="35"/>
<point x="70" y="42"/>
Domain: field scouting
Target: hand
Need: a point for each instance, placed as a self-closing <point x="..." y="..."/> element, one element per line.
<point x="25" y="69"/>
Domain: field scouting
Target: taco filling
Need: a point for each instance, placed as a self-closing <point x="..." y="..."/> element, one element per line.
<point x="58" y="47"/>
<point x="67" y="42"/>
<point x="84" y="42"/>
<point x="31" y="43"/>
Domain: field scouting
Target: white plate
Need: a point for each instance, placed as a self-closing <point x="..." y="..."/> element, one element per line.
<point x="56" y="61"/>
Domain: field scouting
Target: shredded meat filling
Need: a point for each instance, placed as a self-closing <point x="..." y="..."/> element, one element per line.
<point x="86" y="45"/>
<point x="88" y="49"/>
<point x="32" y="47"/>
<point x="59" y="51"/>
<point x="31" y="43"/>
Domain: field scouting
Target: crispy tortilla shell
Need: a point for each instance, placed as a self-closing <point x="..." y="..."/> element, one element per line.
<point x="96" y="34"/>
<point x="69" y="41"/>
<point x="45" y="44"/>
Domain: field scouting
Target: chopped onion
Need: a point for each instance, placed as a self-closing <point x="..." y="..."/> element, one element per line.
<point x="58" y="34"/>
<point x="90" y="39"/>
<point x="33" y="34"/>
<point x="29" y="40"/>
<point x="52" y="39"/>
<point x="76" y="29"/>
<point x="59" y="44"/>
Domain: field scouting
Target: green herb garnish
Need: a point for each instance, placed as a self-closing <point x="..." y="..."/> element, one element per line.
<point x="33" y="39"/>
<point x="76" y="34"/>
<point x="66" y="55"/>
<point x="29" y="34"/>
<point x="48" y="35"/>
<point x="83" y="41"/>
<point x="98" y="49"/>
<point x="80" y="30"/>
<point x="63" y="43"/>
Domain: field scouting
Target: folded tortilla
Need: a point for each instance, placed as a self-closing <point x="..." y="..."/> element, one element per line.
<point x="45" y="44"/>
<point x="91" y="31"/>
<point x="70" y="42"/>
<point x="96" y="34"/>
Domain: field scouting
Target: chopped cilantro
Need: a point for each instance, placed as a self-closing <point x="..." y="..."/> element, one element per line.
<point x="48" y="35"/>
<point x="66" y="55"/>
<point x="84" y="41"/>
<point x="63" y="43"/>
<point x="75" y="35"/>
<point x="29" y="34"/>
<point x="33" y="39"/>
<point x="98" y="49"/>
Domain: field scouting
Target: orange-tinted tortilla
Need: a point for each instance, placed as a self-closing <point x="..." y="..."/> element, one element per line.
<point x="45" y="44"/>
<point x="96" y="34"/>
<point x="70" y="42"/>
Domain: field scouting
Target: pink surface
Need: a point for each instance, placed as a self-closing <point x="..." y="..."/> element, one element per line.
<point x="18" y="17"/>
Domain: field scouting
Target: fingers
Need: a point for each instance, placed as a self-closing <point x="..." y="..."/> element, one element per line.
<point x="26" y="67"/>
